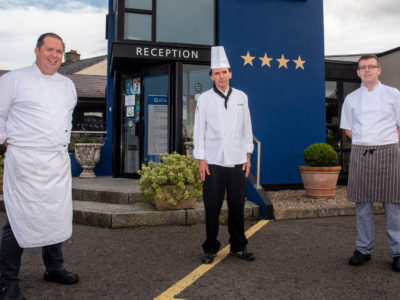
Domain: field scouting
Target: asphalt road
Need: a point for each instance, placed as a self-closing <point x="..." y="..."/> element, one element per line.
<point x="298" y="259"/>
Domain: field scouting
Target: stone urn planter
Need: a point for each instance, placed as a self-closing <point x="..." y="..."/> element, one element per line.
<point x="320" y="182"/>
<point x="320" y="176"/>
<point x="87" y="155"/>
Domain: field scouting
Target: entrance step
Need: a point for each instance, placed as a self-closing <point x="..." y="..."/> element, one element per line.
<point x="114" y="197"/>
<point x="116" y="202"/>
<point x="143" y="214"/>
<point x="107" y="190"/>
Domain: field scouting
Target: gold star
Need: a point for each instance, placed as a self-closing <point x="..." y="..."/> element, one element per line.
<point x="282" y="61"/>
<point x="299" y="63"/>
<point x="265" y="60"/>
<point x="248" y="59"/>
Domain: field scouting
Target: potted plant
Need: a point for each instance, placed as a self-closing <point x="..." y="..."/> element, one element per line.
<point x="87" y="153"/>
<point x="173" y="183"/>
<point x="321" y="174"/>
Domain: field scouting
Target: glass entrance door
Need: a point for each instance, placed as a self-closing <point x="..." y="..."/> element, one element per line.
<point x="144" y="118"/>
<point x="130" y="133"/>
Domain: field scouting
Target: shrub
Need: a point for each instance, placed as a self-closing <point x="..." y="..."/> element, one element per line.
<point x="179" y="173"/>
<point x="320" y="155"/>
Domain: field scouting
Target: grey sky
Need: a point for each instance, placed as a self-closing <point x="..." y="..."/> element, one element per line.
<point x="351" y="27"/>
<point x="361" y="26"/>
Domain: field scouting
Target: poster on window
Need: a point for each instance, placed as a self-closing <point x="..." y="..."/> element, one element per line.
<point x="157" y="133"/>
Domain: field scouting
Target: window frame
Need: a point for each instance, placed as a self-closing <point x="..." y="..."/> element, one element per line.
<point x="120" y="23"/>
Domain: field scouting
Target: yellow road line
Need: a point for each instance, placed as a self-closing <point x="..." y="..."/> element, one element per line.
<point x="182" y="284"/>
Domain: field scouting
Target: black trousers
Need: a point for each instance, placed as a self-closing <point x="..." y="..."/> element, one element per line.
<point x="11" y="253"/>
<point x="233" y="181"/>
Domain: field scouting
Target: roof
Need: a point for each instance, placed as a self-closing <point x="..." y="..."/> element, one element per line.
<point x="355" y="57"/>
<point x="389" y="51"/>
<point x="78" y="65"/>
<point x="87" y="86"/>
<point x="343" y="58"/>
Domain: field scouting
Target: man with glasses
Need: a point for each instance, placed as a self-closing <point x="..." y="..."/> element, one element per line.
<point x="371" y="118"/>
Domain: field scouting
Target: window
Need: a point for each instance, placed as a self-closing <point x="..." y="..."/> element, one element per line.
<point x="336" y="90"/>
<point x="171" y="21"/>
<point x="195" y="81"/>
<point x="139" y="4"/>
<point x="331" y="89"/>
<point x="137" y="27"/>
<point x="185" y="21"/>
<point x="88" y="119"/>
<point x="349" y="87"/>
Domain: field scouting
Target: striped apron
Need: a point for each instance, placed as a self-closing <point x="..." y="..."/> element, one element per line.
<point x="374" y="174"/>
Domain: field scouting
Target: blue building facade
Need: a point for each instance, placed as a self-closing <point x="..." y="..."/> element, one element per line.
<point x="158" y="65"/>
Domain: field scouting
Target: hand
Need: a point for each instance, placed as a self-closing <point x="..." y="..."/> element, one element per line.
<point x="203" y="168"/>
<point x="246" y="166"/>
<point x="5" y="144"/>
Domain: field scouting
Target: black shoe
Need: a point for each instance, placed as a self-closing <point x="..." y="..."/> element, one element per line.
<point x="61" y="276"/>
<point x="208" y="258"/>
<point x="358" y="258"/>
<point x="11" y="292"/>
<point x="243" y="254"/>
<point x="396" y="264"/>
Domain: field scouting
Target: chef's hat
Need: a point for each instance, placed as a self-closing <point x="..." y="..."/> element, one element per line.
<point x="218" y="58"/>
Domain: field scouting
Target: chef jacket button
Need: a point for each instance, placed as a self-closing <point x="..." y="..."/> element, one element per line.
<point x="66" y="130"/>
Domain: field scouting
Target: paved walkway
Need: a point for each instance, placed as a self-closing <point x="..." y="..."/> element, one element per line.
<point x="295" y="259"/>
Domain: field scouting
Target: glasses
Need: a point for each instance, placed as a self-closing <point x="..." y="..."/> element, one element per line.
<point x="364" y="68"/>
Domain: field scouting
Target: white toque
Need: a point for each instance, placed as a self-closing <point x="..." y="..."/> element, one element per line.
<point x="218" y="58"/>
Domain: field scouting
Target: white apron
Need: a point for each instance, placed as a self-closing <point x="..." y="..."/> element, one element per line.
<point x="38" y="195"/>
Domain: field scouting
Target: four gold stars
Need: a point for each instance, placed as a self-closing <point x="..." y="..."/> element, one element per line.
<point x="266" y="61"/>
<point x="248" y="59"/>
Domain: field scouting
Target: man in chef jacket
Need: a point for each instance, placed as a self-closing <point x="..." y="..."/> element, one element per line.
<point x="223" y="143"/>
<point x="35" y="125"/>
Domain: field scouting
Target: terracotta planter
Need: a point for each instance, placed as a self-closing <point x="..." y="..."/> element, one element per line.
<point x="320" y="182"/>
<point x="162" y="204"/>
<point x="87" y="155"/>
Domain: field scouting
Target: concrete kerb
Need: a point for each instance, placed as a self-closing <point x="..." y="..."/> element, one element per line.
<point x="320" y="212"/>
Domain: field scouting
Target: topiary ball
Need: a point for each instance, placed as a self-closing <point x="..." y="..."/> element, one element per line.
<point x="320" y="155"/>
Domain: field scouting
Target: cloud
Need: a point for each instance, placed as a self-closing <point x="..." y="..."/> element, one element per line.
<point x="353" y="27"/>
<point x="81" y="26"/>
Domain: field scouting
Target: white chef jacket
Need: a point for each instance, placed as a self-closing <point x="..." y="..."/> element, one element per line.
<point x="372" y="116"/>
<point x="222" y="136"/>
<point x="36" y="120"/>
